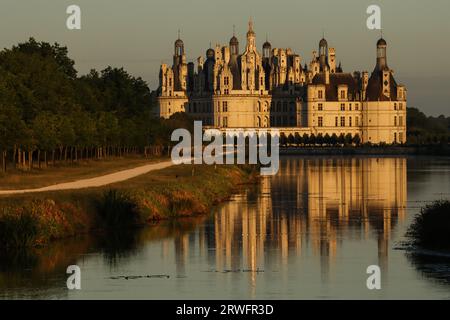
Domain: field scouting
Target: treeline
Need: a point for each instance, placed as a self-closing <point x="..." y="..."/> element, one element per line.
<point x="49" y="114"/>
<point x="320" y="140"/>
<point x="423" y="130"/>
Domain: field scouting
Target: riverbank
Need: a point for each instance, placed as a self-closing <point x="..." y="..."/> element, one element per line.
<point x="437" y="150"/>
<point x="37" y="219"/>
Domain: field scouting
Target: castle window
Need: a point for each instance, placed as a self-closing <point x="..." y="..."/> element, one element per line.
<point x="320" y="121"/>
<point x="226" y="81"/>
<point x="395" y="137"/>
<point x="350" y="121"/>
<point x="225" y="106"/>
<point x="336" y="120"/>
<point x="350" y="107"/>
<point x="342" y="106"/>
<point x="342" y="94"/>
<point x="400" y="121"/>
<point x="357" y="121"/>
<point x="395" y="106"/>
<point x="226" y="91"/>
<point x="320" y="94"/>
<point x="342" y="121"/>
<point x="401" y="106"/>
<point x="395" y="121"/>
<point x="320" y="107"/>
<point x="356" y="107"/>
<point x="225" y="121"/>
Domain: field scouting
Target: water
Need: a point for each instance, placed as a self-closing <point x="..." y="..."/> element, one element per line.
<point x="310" y="232"/>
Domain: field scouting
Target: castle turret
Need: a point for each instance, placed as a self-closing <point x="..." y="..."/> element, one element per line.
<point x="323" y="54"/>
<point x="381" y="55"/>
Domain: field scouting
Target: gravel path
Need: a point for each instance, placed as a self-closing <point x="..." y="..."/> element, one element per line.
<point x="97" y="181"/>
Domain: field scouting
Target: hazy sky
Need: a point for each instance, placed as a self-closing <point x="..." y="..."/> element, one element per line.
<point x="139" y="35"/>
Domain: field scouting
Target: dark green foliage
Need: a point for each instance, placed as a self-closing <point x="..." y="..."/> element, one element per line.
<point x="46" y="109"/>
<point x="18" y="230"/>
<point x="427" y="130"/>
<point x="431" y="228"/>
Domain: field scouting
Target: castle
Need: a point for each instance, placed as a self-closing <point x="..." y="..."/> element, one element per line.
<point x="231" y="89"/>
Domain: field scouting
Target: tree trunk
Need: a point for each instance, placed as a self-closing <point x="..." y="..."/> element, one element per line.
<point x="39" y="159"/>
<point x="4" y="160"/>
<point x="14" y="156"/>
<point x="30" y="160"/>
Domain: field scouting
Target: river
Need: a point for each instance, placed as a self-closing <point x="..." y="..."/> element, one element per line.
<point x="309" y="232"/>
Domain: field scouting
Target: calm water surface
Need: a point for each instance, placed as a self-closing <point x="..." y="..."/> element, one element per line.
<point x="309" y="232"/>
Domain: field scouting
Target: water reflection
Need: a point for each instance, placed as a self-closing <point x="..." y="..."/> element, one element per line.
<point x="308" y="232"/>
<point x="311" y="205"/>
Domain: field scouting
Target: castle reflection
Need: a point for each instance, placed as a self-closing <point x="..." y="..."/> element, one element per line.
<point x="312" y="207"/>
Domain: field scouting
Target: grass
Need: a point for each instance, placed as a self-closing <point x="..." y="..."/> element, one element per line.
<point x="21" y="179"/>
<point x="178" y="191"/>
<point x="431" y="228"/>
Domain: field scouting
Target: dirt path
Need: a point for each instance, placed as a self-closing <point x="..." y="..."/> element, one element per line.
<point x="97" y="181"/>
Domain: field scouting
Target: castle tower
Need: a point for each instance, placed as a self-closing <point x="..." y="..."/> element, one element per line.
<point x="381" y="55"/>
<point x="234" y="45"/>
<point x="179" y="65"/>
<point x="323" y="54"/>
<point x="251" y="37"/>
<point x="267" y="50"/>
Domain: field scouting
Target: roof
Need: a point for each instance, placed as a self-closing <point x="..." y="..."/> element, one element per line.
<point x="375" y="87"/>
<point x="336" y="79"/>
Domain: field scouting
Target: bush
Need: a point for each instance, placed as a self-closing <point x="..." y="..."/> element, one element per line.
<point x="118" y="209"/>
<point x="431" y="228"/>
<point x="18" y="230"/>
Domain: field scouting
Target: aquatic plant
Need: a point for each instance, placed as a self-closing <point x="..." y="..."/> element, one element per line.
<point x="431" y="227"/>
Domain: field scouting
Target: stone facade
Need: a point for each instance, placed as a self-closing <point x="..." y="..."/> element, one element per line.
<point x="230" y="89"/>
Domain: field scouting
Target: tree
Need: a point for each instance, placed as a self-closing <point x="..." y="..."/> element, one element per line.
<point x="356" y="139"/>
<point x="312" y="139"/>
<point x="291" y="139"/>
<point x="327" y="139"/>
<point x="334" y="139"/>
<point x="44" y="128"/>
<point x="305" y="139"/>
<point x="348" y="139"/>
<point x="341" y="139"/>
<point x="298" y="139"/>
<point x="319" y="139"/>
<point x="11" y="130"/>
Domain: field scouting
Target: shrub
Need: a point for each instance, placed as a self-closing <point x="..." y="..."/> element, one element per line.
<point x="18" y="230"/>
<point x="431" y="228"/>
<point x="118" y="209"/>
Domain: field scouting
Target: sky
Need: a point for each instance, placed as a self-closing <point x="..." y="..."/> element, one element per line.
<point x="139" y="34"/>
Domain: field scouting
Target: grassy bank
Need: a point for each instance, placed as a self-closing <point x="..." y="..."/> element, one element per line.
<point x="36" y="219"/>
<point x="431" y="228"/>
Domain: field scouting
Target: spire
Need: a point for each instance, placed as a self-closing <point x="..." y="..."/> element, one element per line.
<point x="178" y="33"/>
<point x="234" y="30"/>
<point x="250" y="28"/>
